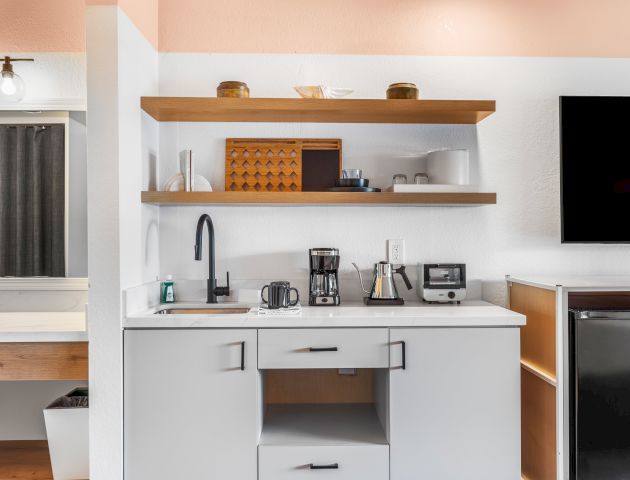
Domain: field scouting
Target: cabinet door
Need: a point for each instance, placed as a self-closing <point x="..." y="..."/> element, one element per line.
<point x="190" y="411"/>
<point x="455" y="408"/>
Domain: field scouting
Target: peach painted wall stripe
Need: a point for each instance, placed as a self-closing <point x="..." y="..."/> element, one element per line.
<point x="143" y="14"/>
<point x="409" y="27"/>
<point x="582" y="28"/>
<point x="42" y="26"/>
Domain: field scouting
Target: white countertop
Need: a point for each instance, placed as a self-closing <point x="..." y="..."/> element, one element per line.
<point x="595" y="282"/>
<point x="43" y="327"/>
<point x="413" y="314"/>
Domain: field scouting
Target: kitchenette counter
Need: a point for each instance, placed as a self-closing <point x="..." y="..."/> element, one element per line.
<point x="43" y="327"/>
<point x="351" y="314"/>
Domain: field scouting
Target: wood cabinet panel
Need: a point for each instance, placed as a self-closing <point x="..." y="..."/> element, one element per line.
<point x="318" y="386"/>
<point x="538" y="337"/>
<point x="44" y="361"/>
<point x="538" y="428"/>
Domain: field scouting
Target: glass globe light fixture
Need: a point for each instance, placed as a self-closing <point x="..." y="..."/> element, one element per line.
<point x="12" y="86"/>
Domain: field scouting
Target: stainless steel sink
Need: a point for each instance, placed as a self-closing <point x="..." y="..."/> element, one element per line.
<point x="203" y="311"/>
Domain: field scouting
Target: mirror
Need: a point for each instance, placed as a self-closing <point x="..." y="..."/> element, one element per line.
<point x="43" y="194"/>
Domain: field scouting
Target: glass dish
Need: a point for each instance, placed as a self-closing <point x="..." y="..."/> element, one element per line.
<point x="351" y="173"/>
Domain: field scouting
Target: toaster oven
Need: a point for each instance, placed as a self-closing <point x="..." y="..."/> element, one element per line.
<point x="442" y="282"/>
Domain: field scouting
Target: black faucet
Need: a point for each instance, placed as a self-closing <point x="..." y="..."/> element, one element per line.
<point x="213" y="290"/>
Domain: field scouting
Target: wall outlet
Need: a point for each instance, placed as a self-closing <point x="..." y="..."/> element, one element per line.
<point x="396" y="251"/>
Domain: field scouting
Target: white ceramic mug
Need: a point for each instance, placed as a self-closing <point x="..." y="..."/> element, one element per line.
<point x="448" y="167"/>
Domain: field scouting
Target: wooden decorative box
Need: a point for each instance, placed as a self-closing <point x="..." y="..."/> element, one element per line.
<point x="281" y="165"/>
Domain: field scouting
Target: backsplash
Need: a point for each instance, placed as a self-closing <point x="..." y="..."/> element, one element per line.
<point x="143" y="297"/>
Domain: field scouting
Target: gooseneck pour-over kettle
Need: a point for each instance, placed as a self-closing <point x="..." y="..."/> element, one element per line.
<point x="384" y="289"/>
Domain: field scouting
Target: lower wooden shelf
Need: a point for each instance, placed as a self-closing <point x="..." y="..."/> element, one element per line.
<point x="25" y="459"/>
<point x="44" y="361"/>
<point x="320" y="198"/>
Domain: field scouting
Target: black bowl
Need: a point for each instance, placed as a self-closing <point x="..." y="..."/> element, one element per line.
<point x="352" y="182"/>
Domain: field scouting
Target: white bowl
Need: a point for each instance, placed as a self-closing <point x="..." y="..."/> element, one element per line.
<point x="322" y="91"/>
<point x="177" y="184"/>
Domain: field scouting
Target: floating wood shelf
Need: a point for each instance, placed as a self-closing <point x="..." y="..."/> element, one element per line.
<point x="44" y="361"/>
<point x="25" y="460"/>
<point x="319" y="198"/>
<point x="207" y="109"/>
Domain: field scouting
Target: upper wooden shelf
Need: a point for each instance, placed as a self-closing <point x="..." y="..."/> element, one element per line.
<point x="206" y="109"/>
<point x="319" y="198"/>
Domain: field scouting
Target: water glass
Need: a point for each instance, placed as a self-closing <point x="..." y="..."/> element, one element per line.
<point x="400" y="179"/>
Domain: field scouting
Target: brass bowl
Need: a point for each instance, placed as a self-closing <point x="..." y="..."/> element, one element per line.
<point x="403" y="91"/>
<point x="232" y="89"/>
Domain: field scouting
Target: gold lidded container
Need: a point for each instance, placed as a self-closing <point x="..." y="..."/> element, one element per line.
<point x="233" y="89"/>
<point x="403" y="91"/>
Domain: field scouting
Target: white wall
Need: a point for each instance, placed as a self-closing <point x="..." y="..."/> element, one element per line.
<point x="53" y="80"/>
<point x="122" y="66"/>
<point x="515" y="152"/>
<point x="22" y="405"/>
<point x="77" y="192"/>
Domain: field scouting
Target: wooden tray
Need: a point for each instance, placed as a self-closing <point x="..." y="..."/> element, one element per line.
<point x="269" y="165"/>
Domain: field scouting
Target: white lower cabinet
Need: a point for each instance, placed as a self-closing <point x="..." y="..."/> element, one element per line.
<point x="191" y="404"/>
<point x="455" y="407"/>
<point x="329" y="462"/>
<point x="447" y="408"/>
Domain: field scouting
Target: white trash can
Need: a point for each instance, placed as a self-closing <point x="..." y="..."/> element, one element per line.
<point x="67" y="429"/>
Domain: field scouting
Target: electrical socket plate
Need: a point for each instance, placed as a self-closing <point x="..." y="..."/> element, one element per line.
<point x="396" y="251"/>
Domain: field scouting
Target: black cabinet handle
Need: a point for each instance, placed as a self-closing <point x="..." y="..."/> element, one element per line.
<point x="332" y="466"/>
<point x="323" y="349"/>
<point x="242" y="356"/>
<point x="403" y="346"/>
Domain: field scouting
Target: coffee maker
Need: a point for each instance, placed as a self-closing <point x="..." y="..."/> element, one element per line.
<point x="324" y="284"/>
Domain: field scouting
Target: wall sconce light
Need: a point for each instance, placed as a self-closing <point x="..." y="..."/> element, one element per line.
<point x="12" y="86"/>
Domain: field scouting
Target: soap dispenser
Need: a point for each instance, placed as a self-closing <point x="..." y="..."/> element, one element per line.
<point x="168" y="290"/>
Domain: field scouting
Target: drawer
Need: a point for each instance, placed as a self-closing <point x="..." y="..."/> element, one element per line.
<point x="369" y="462"/>
<point x="323" y="348"/>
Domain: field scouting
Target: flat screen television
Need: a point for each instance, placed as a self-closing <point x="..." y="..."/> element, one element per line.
<point x="595" y="169"/>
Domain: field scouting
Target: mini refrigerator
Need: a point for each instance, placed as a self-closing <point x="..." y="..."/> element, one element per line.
<point x="599" y="427"/>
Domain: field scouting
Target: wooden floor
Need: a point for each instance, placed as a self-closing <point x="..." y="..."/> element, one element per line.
<point x="26" y="459"/>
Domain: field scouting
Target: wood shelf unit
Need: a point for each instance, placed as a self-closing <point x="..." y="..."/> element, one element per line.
<point x="21" y="361"/>
<point x="208" y="109"/>
<point x="319" y="198"/>
<point x="25" y="460"/>
<point x="538" y="379"/>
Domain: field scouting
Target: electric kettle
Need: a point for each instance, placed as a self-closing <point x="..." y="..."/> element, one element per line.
<point x="384" y="291"/>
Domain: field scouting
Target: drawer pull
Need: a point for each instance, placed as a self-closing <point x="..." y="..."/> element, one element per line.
<point x="332" y="466"/>
<point x="323" y="349"/>
<point x="403" y="345"/>
<point x="403" y="355"/>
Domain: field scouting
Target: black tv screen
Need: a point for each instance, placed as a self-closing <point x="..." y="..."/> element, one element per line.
<point x="595" y="169"/>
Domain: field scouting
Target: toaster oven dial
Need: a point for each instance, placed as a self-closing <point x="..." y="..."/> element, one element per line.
<point x="451" y="294"/>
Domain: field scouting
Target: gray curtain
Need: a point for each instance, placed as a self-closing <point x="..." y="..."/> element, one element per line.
<point x="32" y="200"/>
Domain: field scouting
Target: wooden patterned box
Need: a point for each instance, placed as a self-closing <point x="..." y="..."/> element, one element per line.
<point x="271" y="165"/>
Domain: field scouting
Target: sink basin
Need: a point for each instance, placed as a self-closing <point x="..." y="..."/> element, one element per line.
<point x="203" y="311"/>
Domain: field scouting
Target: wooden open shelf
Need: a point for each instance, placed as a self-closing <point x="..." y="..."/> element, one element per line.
<point x="25" y="460"/>
<point x="207" y="109"/>
<point x="319" y="198"/>
<point x="43" y="361"/>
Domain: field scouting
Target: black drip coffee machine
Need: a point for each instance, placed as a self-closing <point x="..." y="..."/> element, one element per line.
<point x="324" y="285"/>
